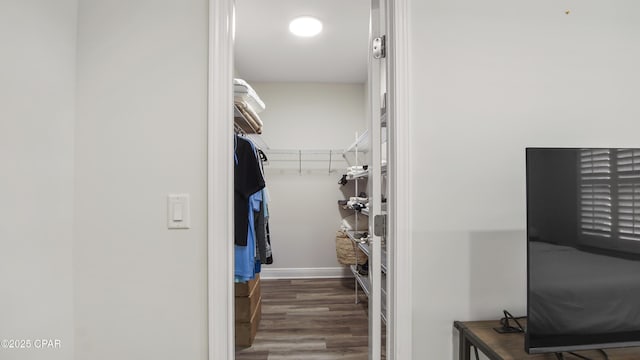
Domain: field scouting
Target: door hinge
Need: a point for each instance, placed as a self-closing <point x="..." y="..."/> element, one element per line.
<point x="379" y="47"/>
<point x="380" y="225"/>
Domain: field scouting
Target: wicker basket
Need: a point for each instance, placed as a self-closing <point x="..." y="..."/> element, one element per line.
<point x="346" y="250"/>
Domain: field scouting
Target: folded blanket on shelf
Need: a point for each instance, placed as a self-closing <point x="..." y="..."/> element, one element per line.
<point x="360" y="200"/>
<point x="358" y="167"/>
<point x="250" y="121"/>
<point x="355" y="205"/>
<point x="243" y="92"/>
<point x="356" y="173"/>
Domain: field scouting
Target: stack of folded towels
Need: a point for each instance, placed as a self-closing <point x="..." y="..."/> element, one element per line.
<point x="249" y="105"/>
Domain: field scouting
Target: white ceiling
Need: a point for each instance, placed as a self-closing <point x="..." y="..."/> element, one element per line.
<point x="265" y="50"/>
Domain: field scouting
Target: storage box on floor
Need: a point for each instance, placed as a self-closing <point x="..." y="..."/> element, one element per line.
<point x="248" y="311"/>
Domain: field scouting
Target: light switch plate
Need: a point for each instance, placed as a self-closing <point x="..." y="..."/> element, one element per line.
<point x="178" y="211"/>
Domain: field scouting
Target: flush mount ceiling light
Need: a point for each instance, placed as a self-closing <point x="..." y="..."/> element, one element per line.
<point x="305" y="26"/>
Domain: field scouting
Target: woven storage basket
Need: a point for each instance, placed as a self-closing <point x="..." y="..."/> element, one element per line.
<point x="346" y="250"/>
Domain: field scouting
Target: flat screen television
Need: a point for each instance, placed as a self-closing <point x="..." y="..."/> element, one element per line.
<point x="583" y="249"/>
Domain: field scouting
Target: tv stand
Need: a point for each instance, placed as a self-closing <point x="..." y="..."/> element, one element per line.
<point x="507" y="346"/>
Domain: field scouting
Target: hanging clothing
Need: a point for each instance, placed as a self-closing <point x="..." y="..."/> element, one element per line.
<point x="269" y="252"/>
<point x="262" y="232"/>
<point x="248" y="180"/>
<point x="245" y="256"/>
<point x="252" y="243"/>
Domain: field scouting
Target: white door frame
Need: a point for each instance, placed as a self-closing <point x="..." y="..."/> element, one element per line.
<point x="400" y="324"/>
<point x="220" y="182"/>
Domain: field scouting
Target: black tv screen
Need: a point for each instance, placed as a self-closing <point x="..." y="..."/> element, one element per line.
<point x="583" y="251"/>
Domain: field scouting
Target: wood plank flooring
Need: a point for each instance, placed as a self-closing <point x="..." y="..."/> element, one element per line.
<point x="314" y="319"/>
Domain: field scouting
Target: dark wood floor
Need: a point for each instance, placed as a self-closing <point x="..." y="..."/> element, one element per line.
<point x="310" y="319"/>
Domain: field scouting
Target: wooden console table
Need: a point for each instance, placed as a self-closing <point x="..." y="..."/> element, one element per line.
<point x="511" y="346"/>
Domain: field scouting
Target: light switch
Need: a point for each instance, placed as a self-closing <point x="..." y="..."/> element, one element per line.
<point x="178" y="211"/>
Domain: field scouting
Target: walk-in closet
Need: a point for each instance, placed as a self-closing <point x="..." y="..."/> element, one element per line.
<point x="308" y="163"/>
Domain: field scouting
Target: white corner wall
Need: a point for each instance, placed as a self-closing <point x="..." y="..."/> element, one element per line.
<point x="37" y="90"/>
<point x="304" y="215"/>
<point x="489" y="79"/>
<point x="141" y="289"/>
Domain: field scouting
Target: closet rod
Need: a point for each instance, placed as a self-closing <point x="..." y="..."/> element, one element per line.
<point x="304" y="151"/>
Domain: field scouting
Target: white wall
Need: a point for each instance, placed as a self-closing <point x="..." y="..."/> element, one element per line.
<point x="488" y="79"/>
<point x="304" y="211"/>
<point x="311" y="115"/>
<point x="141" y="290"/>
<point x="37" y="89"/>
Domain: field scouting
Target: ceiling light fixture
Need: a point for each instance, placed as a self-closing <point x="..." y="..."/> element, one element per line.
<point x="305" y="26"/>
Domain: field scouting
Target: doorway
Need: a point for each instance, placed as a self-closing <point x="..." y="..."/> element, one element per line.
<point x="314" y="91"/>
<point x="221" y="180"/>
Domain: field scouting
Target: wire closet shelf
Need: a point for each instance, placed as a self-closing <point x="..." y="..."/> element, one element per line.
<point x="308" y="160"/>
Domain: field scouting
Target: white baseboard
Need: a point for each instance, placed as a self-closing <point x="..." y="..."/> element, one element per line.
<point x="305" y="273"/>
